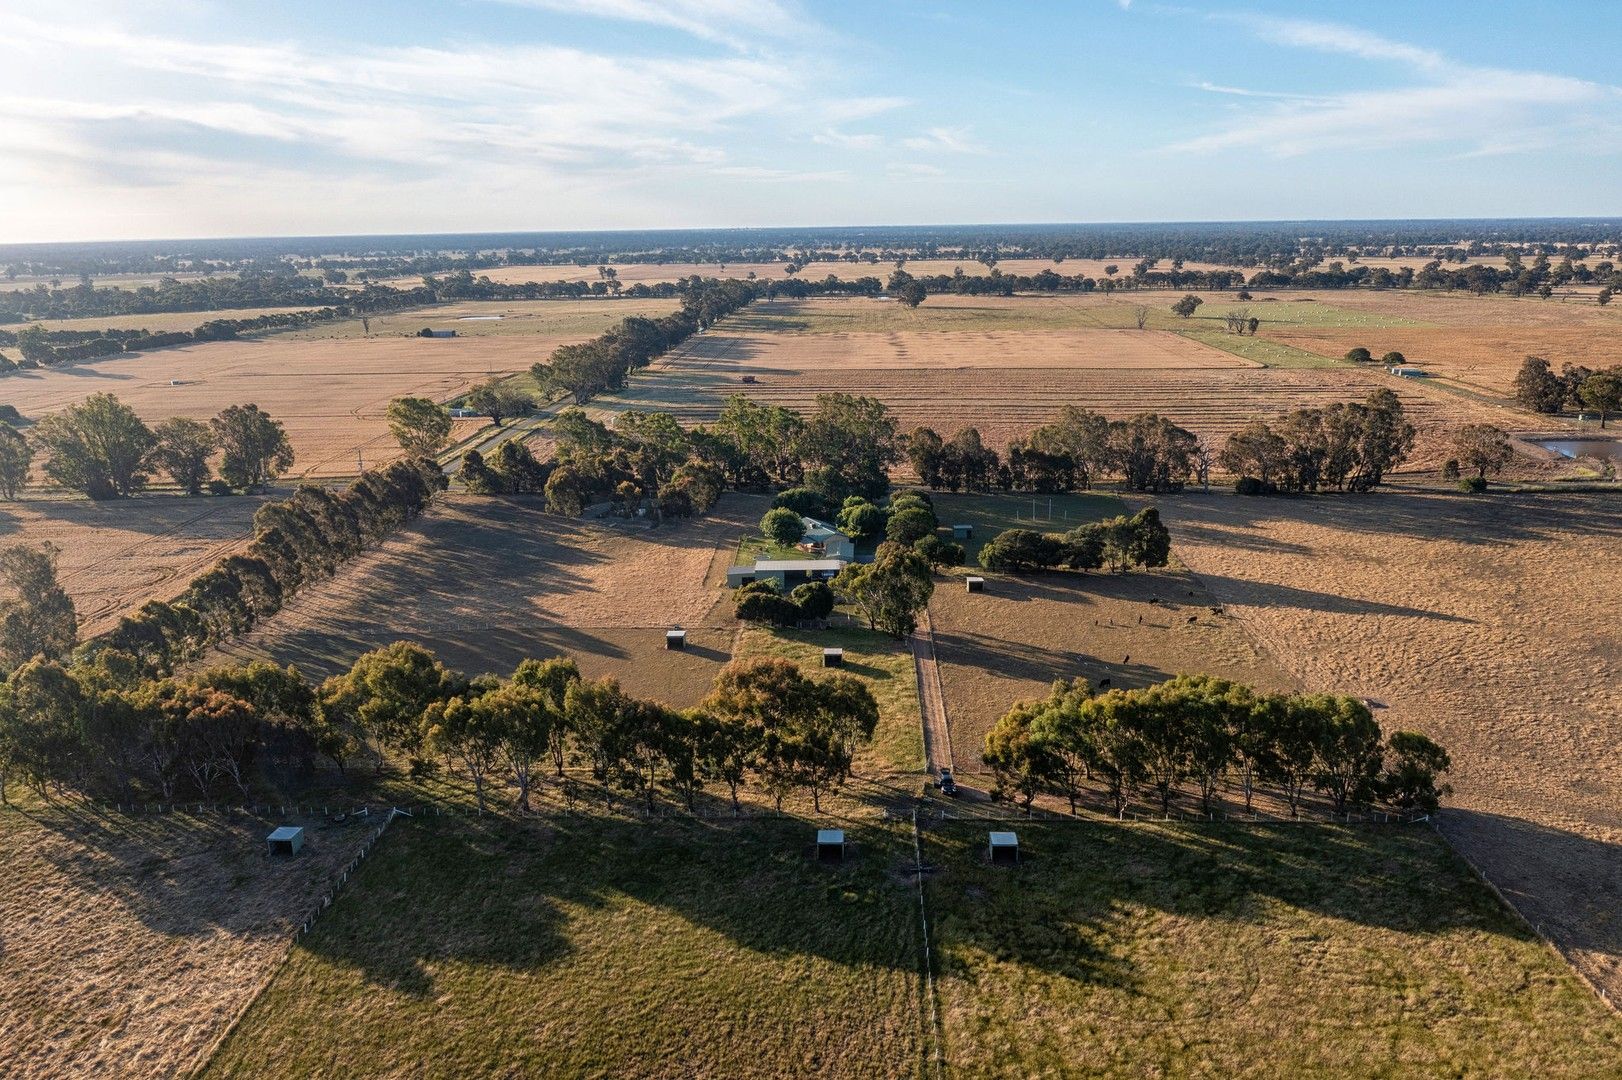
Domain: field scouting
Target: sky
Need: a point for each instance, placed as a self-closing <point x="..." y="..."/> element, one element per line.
<point x="133" y="119"/>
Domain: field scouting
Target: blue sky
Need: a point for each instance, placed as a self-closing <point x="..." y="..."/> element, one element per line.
<point x="137" y="118"/>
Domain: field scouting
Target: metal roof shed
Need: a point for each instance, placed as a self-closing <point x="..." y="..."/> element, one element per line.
<point x="975" y="583"/>
<point x="833" y="657"/>
<point x="831" y="845"/>
<point x="675" y="639"/>
<point x="1004" y="847"/>
<point x="286" y="840"/>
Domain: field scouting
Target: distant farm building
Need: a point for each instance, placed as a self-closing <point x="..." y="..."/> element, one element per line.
<point x="962" y="532"/>
<point x="1406" y="371"/>
<point x="430" y="332"/>
<point x="823" y="539"/>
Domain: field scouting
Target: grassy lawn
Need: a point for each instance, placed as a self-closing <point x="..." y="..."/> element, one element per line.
<point x="991" y="514"/>
<point x="878" y="660"/>
<point x="1227" y="951"/>
<point x="754" y="547"/>
<point x="595" y="947"/>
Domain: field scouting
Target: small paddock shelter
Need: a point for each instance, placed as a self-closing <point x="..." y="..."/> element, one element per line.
<point x="675" y="639"/>
<point x="429" y="331"/>
<point x="286" y="840"/>
<point x="1004" y="849"/>
<point x="833" y="657"/>
<point x="831" y="845"/>
<point x="962" y="532"/>
<point x="975" y="584"/>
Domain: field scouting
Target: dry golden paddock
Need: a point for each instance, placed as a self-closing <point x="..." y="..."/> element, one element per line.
<point x="1490" y="624"/>
<point x="330" y="385"/>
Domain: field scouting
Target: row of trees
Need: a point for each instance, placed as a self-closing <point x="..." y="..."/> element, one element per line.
<point x="649" y="461"/>
<point x="588" y="369"/>
<point x="1203" y="732"/>
<point x="101" y="728"/>
<point x="1345" y="446"/>
<point x="1120" y="543"/>
<point x="101" y="448"/>
<point x="1079" y="447"/>
<point x="1538" y="388"/>
<point x="296" y="540"/>
<point x="39" y="347"/>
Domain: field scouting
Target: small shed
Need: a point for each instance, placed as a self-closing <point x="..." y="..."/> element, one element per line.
<point x="675" y="639"/>
<point x="430" y="332"/>
<point x="833" y="657"/>
<point x="831" y="845"/>
<point x="286" y="840"/>
<point x="975" y="584"/>
<point x="1004" y="848"/>
<point x="962" y="532"/>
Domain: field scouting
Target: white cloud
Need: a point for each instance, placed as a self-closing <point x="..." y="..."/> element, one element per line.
<point x="848" y="140"/>
<point x="730" y="22"/>
<point x="1457" y="108"/>
<point x="947" y="140"/>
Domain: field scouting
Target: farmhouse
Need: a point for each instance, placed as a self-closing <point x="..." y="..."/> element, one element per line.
<point x="828" y="551"/>
<point x="786" y="572"/>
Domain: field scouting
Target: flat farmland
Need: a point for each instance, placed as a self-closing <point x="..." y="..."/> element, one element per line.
<point x="160" y="322"/>
<point x="1488" y="623"/>
<point x="1012" y="641"/>
<point x="1006" y="367"/>
<point x="486" y="583"/>
<point x="130" y="942"/>
<point x="584" y="945"/>
<point x="1156" y="950"/>
<point x="330" y="392"/>
<point x="555" y="321"/>
<point x="1476" y="342"/>
<point x="116" y="556"/>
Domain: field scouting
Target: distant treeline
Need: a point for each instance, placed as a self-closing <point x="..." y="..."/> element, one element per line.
<point x="1239" y="243"/>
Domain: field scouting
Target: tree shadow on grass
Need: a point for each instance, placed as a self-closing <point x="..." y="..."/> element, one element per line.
<point x="515" y="895"/>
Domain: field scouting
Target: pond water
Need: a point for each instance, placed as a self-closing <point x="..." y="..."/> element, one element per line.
<point x="1572" y="448"/>
<point x="479" y="318"/>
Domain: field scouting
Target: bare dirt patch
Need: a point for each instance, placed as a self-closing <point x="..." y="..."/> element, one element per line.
<point x="1488" y="623"/>
<point x="486" y="583"/>
<point x="116" y="556"/>
<point x="130" y="942"/>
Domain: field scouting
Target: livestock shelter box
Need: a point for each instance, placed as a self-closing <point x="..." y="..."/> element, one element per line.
<point x="962" y="532"/>
<point x="833" y="657"/>
<point x="1004" y="848"/>
<point x="831" y="845"/>
<point x="675" y="639"/>
<point x="975" y="584"/>
<point x="287" y="840"/>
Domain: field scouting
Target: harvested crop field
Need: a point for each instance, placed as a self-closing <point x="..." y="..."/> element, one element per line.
<point x="1010" y="642"/>
<point x="115" y="556"/>
<point x="488" y="582"/>
<point x="1007" y="402"/>
<point x="130" y="942"/>
<point x="331" y="394"/>
<point x="1489" y="623"/>
<point x="1281" y="950"/>
<point x="575" y="320"/>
